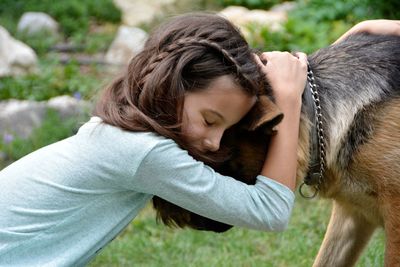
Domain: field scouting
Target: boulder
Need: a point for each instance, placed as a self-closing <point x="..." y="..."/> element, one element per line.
<point x="15" y="57"/>
<point x="20" y="117"/>
<point x="36" y="22"/>
<point x="128" y="42"/>
<point x="284" y="7"/>
<point x="135" y="12"/>
<point x="243" y="17"/>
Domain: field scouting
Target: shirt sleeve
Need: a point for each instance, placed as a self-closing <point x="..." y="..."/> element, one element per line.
<point x="172" y="174"/>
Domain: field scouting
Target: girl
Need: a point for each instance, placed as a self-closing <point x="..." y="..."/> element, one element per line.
<point x="195" y="78"/>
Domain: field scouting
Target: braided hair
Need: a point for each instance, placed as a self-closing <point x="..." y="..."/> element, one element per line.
<point x="183" y="55"/>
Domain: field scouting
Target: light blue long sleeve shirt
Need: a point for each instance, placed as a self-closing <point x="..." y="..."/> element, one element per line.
<point x="63" y="203"/>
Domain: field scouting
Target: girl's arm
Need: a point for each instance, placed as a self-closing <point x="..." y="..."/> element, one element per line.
<point x="287" y="75"/>
<point x="378" y="26"/>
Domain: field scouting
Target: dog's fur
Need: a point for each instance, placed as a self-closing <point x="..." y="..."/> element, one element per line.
<point x="359" y="86"/>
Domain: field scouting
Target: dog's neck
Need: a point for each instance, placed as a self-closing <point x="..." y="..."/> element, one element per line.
<point x="312" y="110"/>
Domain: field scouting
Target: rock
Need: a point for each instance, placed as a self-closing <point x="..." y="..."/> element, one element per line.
<point x="135" y="12"/>
<point x="68" y="106"/>
<point x="284" y="7"/>
<point x="128" y="42"/>
<point x="243" y="17"/>
<point x="20" y="117"/>
<point x="36" y="22"/>
<point x="15" y="57"/>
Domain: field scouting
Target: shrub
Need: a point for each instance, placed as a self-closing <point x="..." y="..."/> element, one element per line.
<point x="73" y="15"/>
<point x="52" y="80"/>
<point x="264" y="4"/>
<point x="317" y="23"/>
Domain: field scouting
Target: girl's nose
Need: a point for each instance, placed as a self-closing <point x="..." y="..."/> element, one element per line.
<point x="212" y="143"/>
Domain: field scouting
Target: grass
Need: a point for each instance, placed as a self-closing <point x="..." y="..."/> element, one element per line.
<point x="146" y="243"/>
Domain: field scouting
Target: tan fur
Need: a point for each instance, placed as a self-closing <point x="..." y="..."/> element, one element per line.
<point x="366" y="196"/>
<point x="303" y="155"/>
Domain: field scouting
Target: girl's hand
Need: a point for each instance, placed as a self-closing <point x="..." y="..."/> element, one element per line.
<point x="287" y="75"/>
<point x="377" y="26"/>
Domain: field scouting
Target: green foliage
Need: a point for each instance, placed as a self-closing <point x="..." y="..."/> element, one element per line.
<point x="331" y="10"/>
<point x="73" y="15"/>
<point x="103" y="11"/>
<point x="317" y="23"/>
<point x="79" y="22"/>
<point x="348" y="10"/>
<point x="53" y="79"/>
<point x="389" y="9"/>
<point x="95" y="42"/>
<point x="52" y="130"/>
<point x="41" y="42"/>
<point x="265" y="4"/>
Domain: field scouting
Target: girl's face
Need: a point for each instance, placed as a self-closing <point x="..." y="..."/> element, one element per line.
<point x="209" y="112"/>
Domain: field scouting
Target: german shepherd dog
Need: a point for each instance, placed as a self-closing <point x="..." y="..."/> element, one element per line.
<point x="357" y="84"/>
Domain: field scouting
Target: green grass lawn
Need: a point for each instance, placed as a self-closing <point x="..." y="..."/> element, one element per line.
<point x="146" y="243"/>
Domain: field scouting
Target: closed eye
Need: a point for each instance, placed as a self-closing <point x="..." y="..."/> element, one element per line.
<point x="208" y="123"/>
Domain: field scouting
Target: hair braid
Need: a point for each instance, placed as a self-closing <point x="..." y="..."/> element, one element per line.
<point x="182" y="45"/>
<point x="183" y="55"/>
<point x="153" y="61"/>
<point x="190" y="41"/>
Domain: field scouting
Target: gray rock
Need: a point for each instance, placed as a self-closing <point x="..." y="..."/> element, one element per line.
<point x="20" y="117"/>
<point x="16" y="58"/>
<point x="243" y="18"/>
<point x="128" y="42"/>
<point x="35" y="22"/>
<point x="135" y="12"/>
<point x="284" y="7"/>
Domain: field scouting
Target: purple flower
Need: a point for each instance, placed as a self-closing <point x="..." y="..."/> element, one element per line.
<point x="77" y="95"/>
<point x="8" y="138"/>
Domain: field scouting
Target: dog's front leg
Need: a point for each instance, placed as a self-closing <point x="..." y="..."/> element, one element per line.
<point x="392" y="230"/>
<point x="347" y="234"/>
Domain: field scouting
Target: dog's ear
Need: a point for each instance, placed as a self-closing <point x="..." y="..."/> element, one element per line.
<point x="264" y="114"/>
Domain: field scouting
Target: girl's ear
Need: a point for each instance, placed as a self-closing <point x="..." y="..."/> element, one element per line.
<point x="264" y="115"/>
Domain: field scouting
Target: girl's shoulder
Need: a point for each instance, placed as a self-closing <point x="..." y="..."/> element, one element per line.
<point x="112" y="138"/>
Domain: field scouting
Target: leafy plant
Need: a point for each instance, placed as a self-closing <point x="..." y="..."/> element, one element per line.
<point x="73" y="15"/>
<point x="79" y="22"/>
<point x="265" y="4"/>
<point x="53" y="79"/>
<point x="317" y="23"/>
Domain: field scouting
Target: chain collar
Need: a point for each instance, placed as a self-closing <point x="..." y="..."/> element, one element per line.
<point x="316" y="170"/>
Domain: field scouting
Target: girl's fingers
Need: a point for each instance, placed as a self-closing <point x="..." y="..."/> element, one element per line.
<point x="258" y="60"/>
<point x="302" y="57"/>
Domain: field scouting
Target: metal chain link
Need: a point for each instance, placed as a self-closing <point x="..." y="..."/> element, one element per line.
<point x="319" y="125"/>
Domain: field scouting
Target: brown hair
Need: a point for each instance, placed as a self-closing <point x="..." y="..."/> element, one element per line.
<point x="184" y="54"/>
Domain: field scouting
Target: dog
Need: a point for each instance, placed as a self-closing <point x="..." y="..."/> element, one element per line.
<point x="349" y="147"/>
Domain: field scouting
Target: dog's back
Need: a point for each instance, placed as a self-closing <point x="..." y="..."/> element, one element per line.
<point x="359" y="84"/>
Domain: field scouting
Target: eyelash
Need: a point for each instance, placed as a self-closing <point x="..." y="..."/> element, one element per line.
<point x="208" y="123"/>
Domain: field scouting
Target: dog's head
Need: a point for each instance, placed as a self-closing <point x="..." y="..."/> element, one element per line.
<point x="247" y="144"/>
